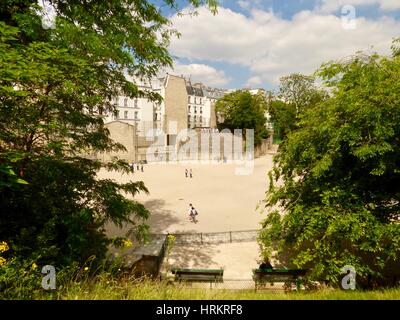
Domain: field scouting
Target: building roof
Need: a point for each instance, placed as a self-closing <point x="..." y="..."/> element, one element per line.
<point x="214" y="93"/>
<point x="194" y="90"/>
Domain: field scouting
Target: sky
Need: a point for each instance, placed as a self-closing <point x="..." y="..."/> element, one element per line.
<point x="253" y="43"/>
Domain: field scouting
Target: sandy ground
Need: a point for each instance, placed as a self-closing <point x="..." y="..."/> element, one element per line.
<point x="225" y="202"/>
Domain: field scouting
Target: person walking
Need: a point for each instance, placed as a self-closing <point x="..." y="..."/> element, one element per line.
<point x="186" y="173"/>
<point x="191" y="175"/>
<point x="132" y="166"/>
<point x="141" y="168"/>
<point x="190" y="212"/>
<point x="194" y="214"/>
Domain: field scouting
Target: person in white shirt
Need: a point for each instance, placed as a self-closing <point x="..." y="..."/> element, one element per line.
<point x="192" y="213"/>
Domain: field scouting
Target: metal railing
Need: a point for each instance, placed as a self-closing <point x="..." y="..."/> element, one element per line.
<point x="236" y="284"/>
<point x="216" y="237"/>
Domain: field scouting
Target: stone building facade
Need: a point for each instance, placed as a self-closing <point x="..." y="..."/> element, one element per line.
<point x="184" y="106"/>
<point x="125" y="134"/>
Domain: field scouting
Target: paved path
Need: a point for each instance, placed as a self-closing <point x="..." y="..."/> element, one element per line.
<point x="237" y="259"/>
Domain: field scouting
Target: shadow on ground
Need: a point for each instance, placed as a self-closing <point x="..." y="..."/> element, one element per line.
<point x="160" y="219"/>
<point x="191" y="256"/>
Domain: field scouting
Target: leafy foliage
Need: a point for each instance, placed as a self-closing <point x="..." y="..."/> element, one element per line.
<point x="55" y="86"/>
<point x="337" y="178"/>
<point x="283" y="116"/>
<point x="297" y="93"/>
<point x="242" y="110"/>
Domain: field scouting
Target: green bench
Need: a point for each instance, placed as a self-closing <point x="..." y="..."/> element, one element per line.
<point x="198" y="275"/>
<point x="289" y="276"/>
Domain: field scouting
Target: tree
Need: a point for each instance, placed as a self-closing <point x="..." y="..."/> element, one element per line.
<point x="339" y="190"/>
<point x="300" y="91"/>
<point x="283" y="116"/>
<point x="55" y="85"/>
<point x="297" y="93"/>
<point x="242" y="110"/>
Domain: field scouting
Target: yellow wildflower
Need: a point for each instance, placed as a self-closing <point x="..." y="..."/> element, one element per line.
<point x="2" y="261"/>
<point x="86" y="268"/>
<point x="3" y="246"/>
<point x="34" y="266"/>
<point x="171" y="238"/>
<point x="127" y="243"/>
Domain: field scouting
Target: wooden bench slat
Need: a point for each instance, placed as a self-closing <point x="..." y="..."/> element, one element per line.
<point x="198" y="275"/>
<point x="263" y="276"/>
<point x="199" y="278"/>
<point x="198" y="271"/>
<point x="294" y="272"/>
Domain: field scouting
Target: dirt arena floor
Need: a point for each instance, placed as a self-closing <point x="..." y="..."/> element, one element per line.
<point x="224" y="200"/>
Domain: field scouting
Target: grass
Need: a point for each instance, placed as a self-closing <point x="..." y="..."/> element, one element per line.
<point x="131" y="289"/>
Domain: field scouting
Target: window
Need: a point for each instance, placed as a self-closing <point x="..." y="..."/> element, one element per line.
<point x="126" y="114"/>
<point x="195" y="110"/>
<point x="136" y="115"/>
<point x="136" y="103"/>
<point x="119" y="115"/>
<point x="201" y="110"/>
<point x="189" y="109"/>
<point x="125" y="102"/>
<point x="188" y="99"/>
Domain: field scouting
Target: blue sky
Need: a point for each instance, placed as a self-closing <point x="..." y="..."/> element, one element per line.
<point x="252" y="43"/>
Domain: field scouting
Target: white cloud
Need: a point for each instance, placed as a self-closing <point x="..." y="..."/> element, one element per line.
<point x="271" y="46"/>
<point x="254" y="82"/>
<point x="243" y="4"/>
<point x="247" y="4"/>
<point x="328" y="6"/>
<point x="201" y="73"/>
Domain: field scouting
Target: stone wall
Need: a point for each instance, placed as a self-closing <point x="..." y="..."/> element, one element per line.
<point x="124" y="134"/>
<point x="176" y="102"/>
<point x="262" y="149"/>
<point x="213" y="115"/>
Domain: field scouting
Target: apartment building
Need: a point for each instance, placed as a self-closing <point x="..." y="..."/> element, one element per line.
<point x="212" y="95"/>
<point x="197" y="115"/>
<point x="201" y="105"/>
<point x="140" y="112"/>
<point x="158" y="124"/>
